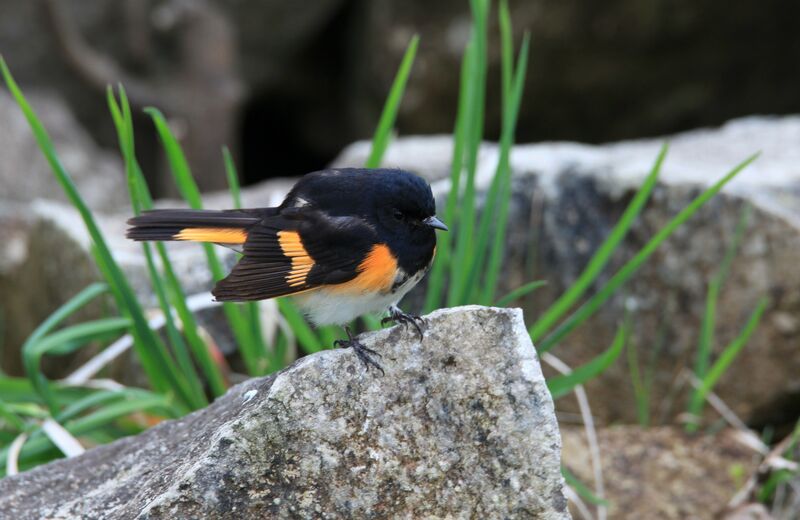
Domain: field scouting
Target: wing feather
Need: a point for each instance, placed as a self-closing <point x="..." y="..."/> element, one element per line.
<point x="286" y="255"/>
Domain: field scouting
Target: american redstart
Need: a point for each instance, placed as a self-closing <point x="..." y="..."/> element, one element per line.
<point x="343" y="243"/>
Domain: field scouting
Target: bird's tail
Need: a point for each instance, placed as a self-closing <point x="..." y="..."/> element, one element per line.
<point x="221" y="227"/>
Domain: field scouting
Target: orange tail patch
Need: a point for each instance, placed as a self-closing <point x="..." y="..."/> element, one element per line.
<point x="217" y="235"/>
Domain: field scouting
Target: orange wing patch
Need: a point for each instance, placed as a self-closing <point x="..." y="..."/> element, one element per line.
<point x="292" y="247"/>
<point x="218" y="235"/>
<point x="376" y="273"/>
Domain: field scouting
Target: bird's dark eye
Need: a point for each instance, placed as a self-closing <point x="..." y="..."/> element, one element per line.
<point x="398" y="215"/>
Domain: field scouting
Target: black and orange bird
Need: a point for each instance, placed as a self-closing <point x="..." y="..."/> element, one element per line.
<point x="344" y="242"/>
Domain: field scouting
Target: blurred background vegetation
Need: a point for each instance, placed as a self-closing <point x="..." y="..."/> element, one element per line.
<point x="311" y="77"/>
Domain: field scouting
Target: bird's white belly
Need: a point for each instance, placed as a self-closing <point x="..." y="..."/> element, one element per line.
<point x="330" y="307"/>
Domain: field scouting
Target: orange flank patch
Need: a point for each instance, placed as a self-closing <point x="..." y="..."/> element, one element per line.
<point x="292" y="247"/>
<point x="218" y="235"/>
<point x="376" y="273"/>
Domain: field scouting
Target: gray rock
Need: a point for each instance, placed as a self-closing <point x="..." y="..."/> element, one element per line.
<point x="568" y="196"/>
<point x="25" y="175"/>
<point x="461" y="426"/>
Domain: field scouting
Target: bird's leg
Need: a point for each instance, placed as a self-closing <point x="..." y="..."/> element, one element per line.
<point x="364" y="353"/>
<point x="398" y="316"/>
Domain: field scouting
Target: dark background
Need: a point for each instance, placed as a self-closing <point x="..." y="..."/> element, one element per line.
<point x="287" y="84"/>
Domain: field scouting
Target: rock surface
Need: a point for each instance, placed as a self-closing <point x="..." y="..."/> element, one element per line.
<point x="461" y="426"/>
<point x="568" y="196"/>
<point x="662" y="472"/>
<point x="24" y="172"/>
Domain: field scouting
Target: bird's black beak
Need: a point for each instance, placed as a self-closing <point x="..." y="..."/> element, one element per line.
<point x="435" y="223"/>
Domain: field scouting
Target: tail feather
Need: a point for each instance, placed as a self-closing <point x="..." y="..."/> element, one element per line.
<point x="224" y="227"/>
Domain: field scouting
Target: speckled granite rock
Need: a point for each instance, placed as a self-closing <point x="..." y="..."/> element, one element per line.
<point x="461" y="426"/>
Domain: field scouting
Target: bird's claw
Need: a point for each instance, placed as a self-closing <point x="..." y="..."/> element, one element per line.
<point x="365" y="354"/>
<point x="398" y="316"/>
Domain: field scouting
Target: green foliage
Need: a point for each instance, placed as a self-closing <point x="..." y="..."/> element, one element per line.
<point x="24" y="405"/>
<point x="642" y="382"/>
<point x="383" y="133"/>
<point x="581" y="488"/>
<point x="629" y="269"/>
<point x="562" y="385"/>
<point x="167" y="288"/>
<point x="251" y="346"/>
<point x="727" y="356"/>
<point x="706" y="342"/>
<point x="158" y="365"/>
<point x="599" y="260"/>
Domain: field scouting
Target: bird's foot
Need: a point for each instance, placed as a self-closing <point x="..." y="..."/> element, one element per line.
<point x="398" y="316"/>
<point x="365" y="354"/>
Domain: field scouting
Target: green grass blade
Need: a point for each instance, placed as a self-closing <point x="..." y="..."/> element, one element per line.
<point x="774" y="480"/>
<point x="460" y="266"/>
<point x="177" y="160"/>
<point x="103" y="398"/>
<point x="252" y="313"/>
<point x="599" y="260"/>
<point x="39" y="444"/>
<point x="20" y="390"/>
<point x="489" y="214"/>
<point x="305" y="336"/>
<point x="706" y="341"/>
<point x="73" y="337"/>
<point x="442" y="261"/>
<point x="371" y="322"/>
<point x="156" y="362"/>
<point x="73" y="305"/>
<point x="503" y="173"/>
<point x="78" y="334"/>
<point x="621" y="276"/>
<point x="10" y="418"/>
<point x="732" y="350"/>
<point x="506" y="49"/>
<point x="233" y="177"/>
<point x="380" y="140"/>
<point x="31" y="364"/>
<point x="519" y="292"/>
<point x="641" y="393"/>
<point x="582" y="489"/>
<point x="253" y="352"/>
<point x="141" y="200"/>
<point x="560" y="386"/>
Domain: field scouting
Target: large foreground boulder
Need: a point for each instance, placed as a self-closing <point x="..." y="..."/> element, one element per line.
<point x="460" y="426"/>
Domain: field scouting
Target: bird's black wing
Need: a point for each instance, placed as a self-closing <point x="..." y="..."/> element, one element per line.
<point x="296" y="251"/>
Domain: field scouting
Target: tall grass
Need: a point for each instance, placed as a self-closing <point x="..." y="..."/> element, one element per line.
<point x="709" y="376"/>
<point x="182" y="369"/>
